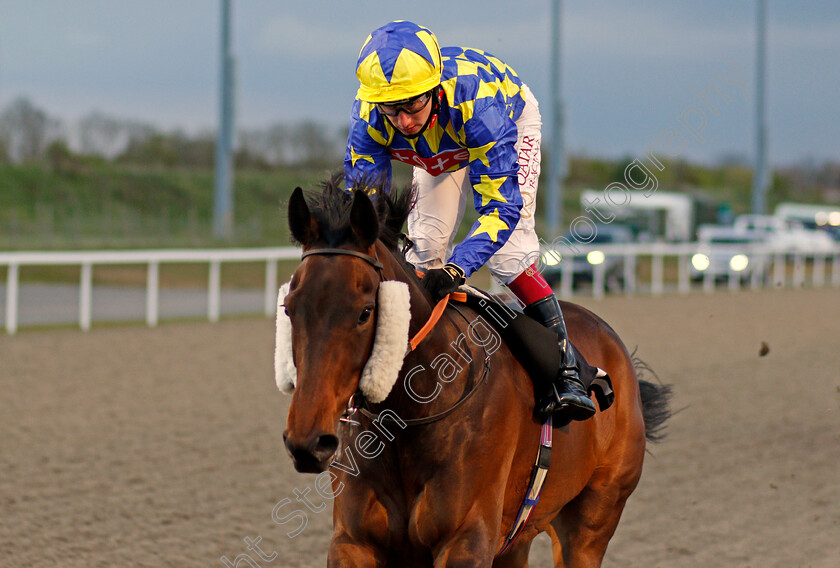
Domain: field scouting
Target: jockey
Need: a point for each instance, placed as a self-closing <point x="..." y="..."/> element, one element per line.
<point x="469" y="126"/>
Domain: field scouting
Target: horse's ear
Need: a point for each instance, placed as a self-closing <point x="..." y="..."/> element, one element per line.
<point x="301" y="223"/>
<point x="363" y="219"/>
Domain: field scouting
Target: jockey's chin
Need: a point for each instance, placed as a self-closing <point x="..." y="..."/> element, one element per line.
<point x="409" y="131"/>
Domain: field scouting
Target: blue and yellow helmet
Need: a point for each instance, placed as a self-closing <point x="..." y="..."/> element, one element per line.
<point x="398" y="61"/>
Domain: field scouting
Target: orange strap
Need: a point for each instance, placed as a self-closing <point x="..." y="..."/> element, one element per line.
<point x="427" y="327"/>
<point x="437" y="311"/>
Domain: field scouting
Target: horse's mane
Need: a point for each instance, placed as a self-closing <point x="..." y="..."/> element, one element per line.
<point x="331" y="209"/>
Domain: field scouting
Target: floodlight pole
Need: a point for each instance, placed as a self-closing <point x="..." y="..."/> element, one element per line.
<point x="557" y="161"/>
<point x="223" y="202"/>
<point x="759" y="189"/>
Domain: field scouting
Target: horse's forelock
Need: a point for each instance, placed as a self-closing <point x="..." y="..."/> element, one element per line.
<point x="331" y="209"/>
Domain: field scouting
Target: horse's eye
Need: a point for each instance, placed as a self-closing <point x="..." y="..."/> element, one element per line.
<point x="285" y="309"/>
<point x="365" y="315"/>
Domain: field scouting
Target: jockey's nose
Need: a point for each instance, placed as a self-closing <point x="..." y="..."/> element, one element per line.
<point x="405" y="120"/>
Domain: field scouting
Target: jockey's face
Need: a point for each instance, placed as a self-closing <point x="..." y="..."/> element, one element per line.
<point x="409" y="124"/>
<point x="405" y="118"/>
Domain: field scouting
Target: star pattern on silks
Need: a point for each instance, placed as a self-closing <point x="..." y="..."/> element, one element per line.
<point x="480" y="153"/>
<point x="490" y="224"/>
<point x="488" y="188"/>
<point x="388" y="55"/>
<point x="356" y="157"/>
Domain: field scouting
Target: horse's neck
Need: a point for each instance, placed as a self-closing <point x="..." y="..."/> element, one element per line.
<point x="423" y="390"/>
<point x="393" y="269"/>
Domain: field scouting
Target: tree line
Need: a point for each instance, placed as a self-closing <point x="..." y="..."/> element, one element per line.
<point x="29" y="134"/>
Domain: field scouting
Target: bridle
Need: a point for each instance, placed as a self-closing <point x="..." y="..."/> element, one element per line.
<point x="372" y="260"/>
<point x="357" y="401"/>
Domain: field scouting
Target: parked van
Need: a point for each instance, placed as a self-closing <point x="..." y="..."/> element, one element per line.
<point x="787" y="236"/>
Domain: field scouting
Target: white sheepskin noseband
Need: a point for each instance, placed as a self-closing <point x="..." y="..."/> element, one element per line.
<point x="389" y="344"/>
<point x="284" y="364"/>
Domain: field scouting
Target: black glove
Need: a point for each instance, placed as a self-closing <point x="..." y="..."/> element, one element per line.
<point x="442" y="281"/>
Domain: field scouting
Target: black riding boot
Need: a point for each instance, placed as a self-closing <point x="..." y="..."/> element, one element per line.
<point x="567" y="396"/>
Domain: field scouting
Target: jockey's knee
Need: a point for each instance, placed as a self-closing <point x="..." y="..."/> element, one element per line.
<point x="427" y="253"/>
<point x="505" y="268"/>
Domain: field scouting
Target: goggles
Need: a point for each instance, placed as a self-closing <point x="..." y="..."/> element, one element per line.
<point x="409" y="106"/>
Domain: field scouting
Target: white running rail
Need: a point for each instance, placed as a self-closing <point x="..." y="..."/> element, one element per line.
<point x="152" y="259"/>
<point x="787" y="270"/>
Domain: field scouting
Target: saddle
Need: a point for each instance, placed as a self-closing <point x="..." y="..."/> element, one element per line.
<point x="535" y="346"/>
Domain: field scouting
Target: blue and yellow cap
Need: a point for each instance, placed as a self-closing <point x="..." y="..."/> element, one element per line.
<point x="398" y="61"/>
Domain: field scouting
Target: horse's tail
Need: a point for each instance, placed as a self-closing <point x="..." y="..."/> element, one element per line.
<point x="656" y="408"/>
<point x="656" y="401"/>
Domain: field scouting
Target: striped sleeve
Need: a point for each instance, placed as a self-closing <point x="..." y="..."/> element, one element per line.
<point x="367" y="156"/>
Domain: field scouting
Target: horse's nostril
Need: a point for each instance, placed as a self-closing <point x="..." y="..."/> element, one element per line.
<point x="325" y="446"/>
<point x="312" y="454"/>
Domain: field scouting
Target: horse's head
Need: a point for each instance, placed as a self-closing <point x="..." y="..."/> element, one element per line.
<point x="331" y="304"/>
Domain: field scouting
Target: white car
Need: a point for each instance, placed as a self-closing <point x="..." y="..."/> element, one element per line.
<point x="723" y="251"/>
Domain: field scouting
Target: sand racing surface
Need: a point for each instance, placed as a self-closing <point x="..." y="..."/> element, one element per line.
<point x="128" y="446"/>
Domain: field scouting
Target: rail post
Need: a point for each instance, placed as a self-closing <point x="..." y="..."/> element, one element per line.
<point x="214" y="291"/>
<point x="270" y="286"/>
<point x="152" y="293"/>
<point x="657" y="274"/>
<point x="86" y="296"/>
<point x="12" y="277"/>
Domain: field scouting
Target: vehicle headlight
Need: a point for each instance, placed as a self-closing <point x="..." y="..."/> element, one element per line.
<point x="551" y="258"/>
<point x="834" y="218"/>
<point x="595" y="257"/>
<point x="739" y="262"/>
<point x="700" y="261"/>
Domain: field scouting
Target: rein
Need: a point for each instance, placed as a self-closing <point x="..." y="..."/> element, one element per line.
<point x="434" y="417"/>
<point x="437" y="313"/>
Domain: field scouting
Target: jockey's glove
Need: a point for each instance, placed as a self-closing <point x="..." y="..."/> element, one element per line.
<point x="442" y="281"/>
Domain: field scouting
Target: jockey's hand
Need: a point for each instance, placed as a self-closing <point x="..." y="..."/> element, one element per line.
<point x="442" y="281"/>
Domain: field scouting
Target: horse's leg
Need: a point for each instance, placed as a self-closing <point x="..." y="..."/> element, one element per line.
<point x="516" y="558"/>
<point x="346" y="554"/>
<point x="556" y="547"/>
<point x="585" y="525"/>
<point x="469" y="548"/>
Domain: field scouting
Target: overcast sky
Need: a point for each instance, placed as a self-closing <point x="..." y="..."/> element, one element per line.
<point x="631" y="70"/>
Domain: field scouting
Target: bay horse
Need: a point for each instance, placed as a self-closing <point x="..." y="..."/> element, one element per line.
<point x="441" y="482"/>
